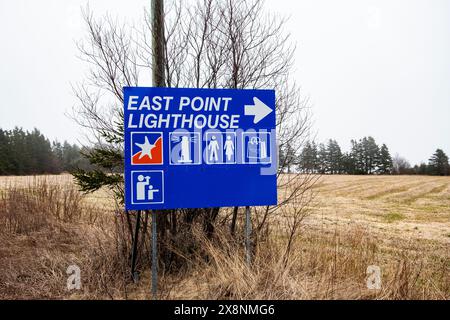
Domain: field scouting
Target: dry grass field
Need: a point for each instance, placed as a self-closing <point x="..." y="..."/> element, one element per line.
<point x="399" y="223"/>
<point x="393" y="207"/>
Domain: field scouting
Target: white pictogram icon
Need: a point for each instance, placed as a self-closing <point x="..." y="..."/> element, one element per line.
<point x="146" y="148"/>
<point x="257" y="147"/>
<point x="229" y="148"/>
<point x="213" y="148"/>
<point x="262" y="149"/>
<point x="220" y="147"/>
<point x="252" y="148"/>
<point x="185" y="150"/>
<point x="144" y="185"/>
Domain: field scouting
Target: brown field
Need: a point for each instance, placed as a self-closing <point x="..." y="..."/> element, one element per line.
<point x="391" y="207"/>
<point x="399" y="223"/>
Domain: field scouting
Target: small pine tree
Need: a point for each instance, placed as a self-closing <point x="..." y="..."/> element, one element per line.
<point x="356" y="158"/>
<point x="334" y="157"/>
<point x="308" y="158"/>
<point x="5" y="153"/>
<point x="287" y="157"/>
<point x="348" y="163"/>
<point x="423" y="169"/>
<point x="322" y="159"/>
<point x="438" y="163"/>
<point x="385" y="160"/>
<point x="370" y="155"/>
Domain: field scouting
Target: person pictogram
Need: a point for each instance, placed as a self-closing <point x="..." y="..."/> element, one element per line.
<point x="141" y="186"/>
<point x="252" y="148"/>
<point x="229" y="148"/>
<point x="213" y="148"/>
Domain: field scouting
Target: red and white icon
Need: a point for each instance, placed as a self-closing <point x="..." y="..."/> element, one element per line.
<point x="146" y="148"/>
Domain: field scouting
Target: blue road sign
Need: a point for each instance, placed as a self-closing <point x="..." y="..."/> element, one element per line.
<point x="199" y="148"/>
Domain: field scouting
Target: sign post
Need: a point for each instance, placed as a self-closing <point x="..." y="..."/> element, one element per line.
<point x="248" y="232"/>
<point x="154" y="256"/>
<point x="134" y="274"/>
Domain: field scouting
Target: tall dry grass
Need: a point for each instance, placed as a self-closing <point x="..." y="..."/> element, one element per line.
<point x="27" y="209"/>
<point x="44" y="228"/>
<point x="328" y="265"/>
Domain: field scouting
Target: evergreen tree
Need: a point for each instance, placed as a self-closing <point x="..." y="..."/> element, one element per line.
<point x="348" y="163"/>
<point x="322" y="159"/>
<point x="70" y="156"/>
<point x="25" y="153"/>
<point x="289" y="157"/>
<point x="423" y="169"/>
<point x="20" y="157"/>
<point x="314" y="157"/>
<point x="42" y="159"/>
<point x="438" y="163"/>
<point x="334" y="157"/>
<point x="385" y="160"/>
<point x="370" y="155"/>
<point x="5" y="153"/>
<point x="57" y="150"/>
<point x="308" y="158"/>
<point x="356" y="158"/>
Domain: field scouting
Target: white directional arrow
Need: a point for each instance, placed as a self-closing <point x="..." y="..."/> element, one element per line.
<point x="258" y="109"/>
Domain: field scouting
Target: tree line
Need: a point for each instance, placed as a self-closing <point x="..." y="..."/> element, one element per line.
<point x="364" y="157"/>
<point x="30" y="152"/>
<point x="24" y="153"/>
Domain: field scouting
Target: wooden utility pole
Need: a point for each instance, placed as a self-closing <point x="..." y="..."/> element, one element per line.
<point x="158" y="43"/>
<point x="158" y="81"/>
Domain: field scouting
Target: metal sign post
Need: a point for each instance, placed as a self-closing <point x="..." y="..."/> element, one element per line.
<point x="134" y="274"/>
<point x="248" y="232"/>
<point x="154" y="256"/>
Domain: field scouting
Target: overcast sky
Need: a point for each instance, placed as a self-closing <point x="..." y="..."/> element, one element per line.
<point x="379" y="68"/>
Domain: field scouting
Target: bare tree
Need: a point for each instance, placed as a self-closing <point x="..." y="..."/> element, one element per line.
<point x="400" y="165"/>
<point x="209" y="44"/>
